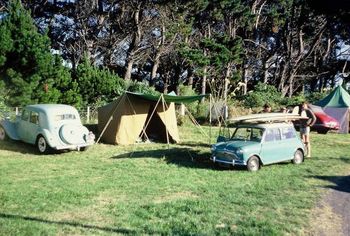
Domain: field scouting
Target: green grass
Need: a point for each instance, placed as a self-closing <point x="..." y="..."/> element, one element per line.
<point x="156" y="189"/>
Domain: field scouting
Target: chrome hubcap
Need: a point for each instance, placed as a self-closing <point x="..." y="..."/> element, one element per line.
<point x="42" y="144"/>
<point x="253" y="165"/>
<point x="298" y="159"/>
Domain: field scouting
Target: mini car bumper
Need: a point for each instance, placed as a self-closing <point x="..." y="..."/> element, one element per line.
<point x="232" y="162"/>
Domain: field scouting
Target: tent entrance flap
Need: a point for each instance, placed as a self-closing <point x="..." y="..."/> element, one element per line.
<point x="160" y="123"/>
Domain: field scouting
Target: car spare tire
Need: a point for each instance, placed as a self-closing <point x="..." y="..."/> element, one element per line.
<point x="72" y="134"/>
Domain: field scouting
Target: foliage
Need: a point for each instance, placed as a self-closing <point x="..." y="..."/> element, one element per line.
<point x="28" y="68"/>
<point x="316" y="96"/>
<point x="126" y="189"/>
<point x="140" y="87"/>
<point x="262" y="94"/>
<point x="97" y="84"/>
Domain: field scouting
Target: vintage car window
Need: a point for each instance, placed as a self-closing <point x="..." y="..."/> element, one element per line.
<point x="25" y="115"/>
<point x="272" y="135"/>
<point x="34" y="117"/>
<point x="65" y="117"/>
<point x="249" y="134"/>
<point x="288" y="133"/>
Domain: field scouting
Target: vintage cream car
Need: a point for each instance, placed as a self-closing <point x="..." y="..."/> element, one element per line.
<point x="48" y="126"/>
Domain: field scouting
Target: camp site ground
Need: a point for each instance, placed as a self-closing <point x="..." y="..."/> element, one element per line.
<point x="163" y="189"/>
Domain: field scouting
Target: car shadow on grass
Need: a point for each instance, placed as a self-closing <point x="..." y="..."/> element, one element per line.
<point x="18" y="146"/>
<point x="25" y="148"/>
<point x="339" y="183"/>
<point x="67" y="223"/>
<point x="181" y="156"/>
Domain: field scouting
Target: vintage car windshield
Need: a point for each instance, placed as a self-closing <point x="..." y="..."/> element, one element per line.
<point x="248" y="134"/>
<point x="65" y="117"/>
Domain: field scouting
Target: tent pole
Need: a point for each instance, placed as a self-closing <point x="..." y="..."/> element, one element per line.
<point x="108" y="122"/>
<point x="195" y="122"/>
<point x="133" y="109"/>
<point x="144" y="129"/>
<point x="166" y="128"/>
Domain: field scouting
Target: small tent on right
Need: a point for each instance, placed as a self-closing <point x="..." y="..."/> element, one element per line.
<point x="337" y="105"/>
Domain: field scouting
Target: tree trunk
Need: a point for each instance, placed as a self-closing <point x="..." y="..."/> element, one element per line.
<point x="204" y="81"/>
<point x="127" y="75"/>
<point x="155" y="68"/>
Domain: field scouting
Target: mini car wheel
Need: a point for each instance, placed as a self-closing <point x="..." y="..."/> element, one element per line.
<point x="253" y="164"/>
<point x="42" y="145"/>
<point x="298" y="157"/>
<point x="3" y="135"/>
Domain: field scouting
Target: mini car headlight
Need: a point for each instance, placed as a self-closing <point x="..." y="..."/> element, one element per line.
<point x="239" y="151"/>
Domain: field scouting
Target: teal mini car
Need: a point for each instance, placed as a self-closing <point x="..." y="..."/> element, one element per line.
<point x="254" y="145"/>
<point x="48" y="126"/>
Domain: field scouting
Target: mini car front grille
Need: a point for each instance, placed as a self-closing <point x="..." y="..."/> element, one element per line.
<point x="227" y="156"/>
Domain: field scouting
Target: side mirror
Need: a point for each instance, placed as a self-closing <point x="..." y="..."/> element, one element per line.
<point x="221" y="139"/>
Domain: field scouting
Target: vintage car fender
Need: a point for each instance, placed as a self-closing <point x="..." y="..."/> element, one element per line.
<point x="51" y="140"/>
<point x="10" y="129"/>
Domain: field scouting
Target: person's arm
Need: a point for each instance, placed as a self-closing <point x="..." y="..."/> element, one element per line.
<point x="312" y="118"/>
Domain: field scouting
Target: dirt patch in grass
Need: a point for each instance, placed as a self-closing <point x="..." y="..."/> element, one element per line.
<point x="331" y="215"/>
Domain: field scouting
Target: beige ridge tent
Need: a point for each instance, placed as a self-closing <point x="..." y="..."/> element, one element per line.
<point x="135" y="115"/>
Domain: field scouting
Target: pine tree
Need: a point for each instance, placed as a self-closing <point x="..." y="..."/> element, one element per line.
<point x="30" y="72"/>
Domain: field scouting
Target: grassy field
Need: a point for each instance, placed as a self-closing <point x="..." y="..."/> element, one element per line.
<point x="156" y="189"/>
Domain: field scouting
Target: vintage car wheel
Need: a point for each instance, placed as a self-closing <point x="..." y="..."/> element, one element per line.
<point x="253" y="164"/>
<point x="42" y="145"/>
<point x="3" y="135"/>
<point x="84" y="148"/>
<point x="298" y="157"/>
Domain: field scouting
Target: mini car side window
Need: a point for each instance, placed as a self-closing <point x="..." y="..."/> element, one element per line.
<point x="25" y="115"/>
<point x="34" y="117"/>
<point x="288" y="133"/>
<point x="277" y="134"/>
<point x="272" y="135"/>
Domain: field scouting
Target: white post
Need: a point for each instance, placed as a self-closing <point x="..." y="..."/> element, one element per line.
<point x="88" y="115"/>
<point x="210" y="118"/>
<point x="182" y="109"/>
<point x="17" y="111"/>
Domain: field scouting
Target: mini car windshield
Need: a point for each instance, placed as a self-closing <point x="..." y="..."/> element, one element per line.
<point x="247" y="134"/>
<point x="65" y="117"/>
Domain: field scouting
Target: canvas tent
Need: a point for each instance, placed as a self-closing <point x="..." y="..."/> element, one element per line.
<point x="337" y="105"/>
<point x="135" y="115"/>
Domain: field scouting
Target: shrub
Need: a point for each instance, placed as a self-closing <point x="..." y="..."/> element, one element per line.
<point x="140" y="87"/>
<point x="261" y="95"/>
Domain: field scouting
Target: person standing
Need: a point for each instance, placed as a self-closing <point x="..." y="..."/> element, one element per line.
<point x="305" y="125"/>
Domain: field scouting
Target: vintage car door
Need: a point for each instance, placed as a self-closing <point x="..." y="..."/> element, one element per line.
<point x="33" y="127"/>
<point x="28" y="126"/>
<point x="22" y="124"/>
<point x="270" y="148"/>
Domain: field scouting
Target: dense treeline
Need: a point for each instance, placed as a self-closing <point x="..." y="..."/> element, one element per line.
<point x="83" y="52"/>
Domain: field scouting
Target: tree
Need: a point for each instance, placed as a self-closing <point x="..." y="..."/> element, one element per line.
<point x="97" y="85"/>
<point x="27" y="67"/>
